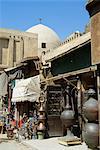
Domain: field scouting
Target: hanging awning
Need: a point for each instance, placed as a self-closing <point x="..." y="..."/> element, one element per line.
<point x="26" y="90"/>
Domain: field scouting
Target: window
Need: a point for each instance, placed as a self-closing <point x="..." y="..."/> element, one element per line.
<point x="43" y="45"/>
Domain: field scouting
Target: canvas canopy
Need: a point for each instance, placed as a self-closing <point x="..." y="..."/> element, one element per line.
<point x="26" y="90"/>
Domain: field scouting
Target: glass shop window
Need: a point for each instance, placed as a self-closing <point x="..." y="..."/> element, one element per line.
<point x="43" y="45"/>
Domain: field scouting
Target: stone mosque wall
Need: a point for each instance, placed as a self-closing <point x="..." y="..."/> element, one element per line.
<point x="16" y="45"/>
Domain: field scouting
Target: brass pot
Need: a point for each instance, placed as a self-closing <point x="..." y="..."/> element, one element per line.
<point x="41" y="108"/>
<point x="41" y="127"/>
<point x="67" y="117"/>
<point x="90" y="109"/>
<point x="41" y="117"/>
<point x="91" y="135"/>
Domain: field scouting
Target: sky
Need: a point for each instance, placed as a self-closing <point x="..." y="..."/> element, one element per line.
<point x="63" y="16"/>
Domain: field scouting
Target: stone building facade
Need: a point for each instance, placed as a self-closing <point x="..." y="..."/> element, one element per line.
<point x="16" y="46"/>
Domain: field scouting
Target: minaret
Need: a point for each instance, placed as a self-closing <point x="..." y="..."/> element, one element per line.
<point x="93" y="7"/>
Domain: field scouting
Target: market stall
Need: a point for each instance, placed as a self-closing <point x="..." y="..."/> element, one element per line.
<point x="25" y="94"/>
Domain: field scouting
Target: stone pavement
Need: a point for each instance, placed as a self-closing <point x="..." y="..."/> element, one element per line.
<point x="46" y="144"/>
<point x="6" y="144"/>
<point x="52" y="144"/>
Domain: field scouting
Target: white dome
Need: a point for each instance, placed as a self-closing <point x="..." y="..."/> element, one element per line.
<point x="45" y="35"/>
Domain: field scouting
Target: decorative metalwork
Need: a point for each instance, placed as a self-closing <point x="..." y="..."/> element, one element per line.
<point x="67" y="116"/>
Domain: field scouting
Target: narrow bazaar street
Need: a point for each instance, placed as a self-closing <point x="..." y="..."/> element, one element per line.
<point x="44" y="144"/>
<point x="50" y="84"/>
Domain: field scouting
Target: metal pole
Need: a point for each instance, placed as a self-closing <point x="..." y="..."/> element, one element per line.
<point x="98" y="95"/>
<point x="9" y="98"/>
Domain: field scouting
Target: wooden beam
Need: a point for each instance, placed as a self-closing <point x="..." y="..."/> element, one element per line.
<point x="34" y="58"/>
<point x="58" y="77"/>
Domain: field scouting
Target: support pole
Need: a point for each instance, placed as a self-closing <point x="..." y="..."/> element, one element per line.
<point x="79" y="104"/>
<point x="9" y="98"/>
<point x="98" y="96"/>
